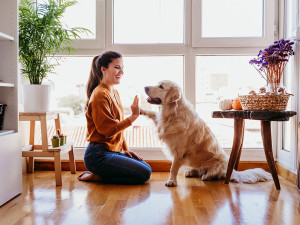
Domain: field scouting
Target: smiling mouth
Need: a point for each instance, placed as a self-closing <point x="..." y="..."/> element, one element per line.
<point x="156" y="101"/>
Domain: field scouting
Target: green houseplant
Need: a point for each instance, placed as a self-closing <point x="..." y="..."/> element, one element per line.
<point x="42" y="35"/>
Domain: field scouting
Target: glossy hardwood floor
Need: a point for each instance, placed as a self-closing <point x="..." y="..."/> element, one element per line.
<point x="191" y="202"/>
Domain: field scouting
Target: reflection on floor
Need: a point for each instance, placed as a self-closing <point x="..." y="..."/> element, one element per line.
<point x="191" y="202"/>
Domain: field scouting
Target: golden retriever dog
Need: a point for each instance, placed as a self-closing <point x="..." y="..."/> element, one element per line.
<point x="189" y="139"/>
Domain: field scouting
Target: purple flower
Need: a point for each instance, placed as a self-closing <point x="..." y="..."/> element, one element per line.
<point x="271" y="61"/>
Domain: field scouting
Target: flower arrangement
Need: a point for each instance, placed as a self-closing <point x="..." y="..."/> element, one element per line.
<point x="270" y="62"/>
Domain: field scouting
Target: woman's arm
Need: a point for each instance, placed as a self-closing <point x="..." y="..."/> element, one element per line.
<point x="105" y="122"/>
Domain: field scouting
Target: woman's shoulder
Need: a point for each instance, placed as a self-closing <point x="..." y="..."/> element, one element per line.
<point x="100" y="93"/>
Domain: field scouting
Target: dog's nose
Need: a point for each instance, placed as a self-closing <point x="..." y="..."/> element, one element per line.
<point x="146" y="89"/>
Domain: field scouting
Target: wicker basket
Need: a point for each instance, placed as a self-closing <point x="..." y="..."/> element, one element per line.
<point x="264" y="102"/>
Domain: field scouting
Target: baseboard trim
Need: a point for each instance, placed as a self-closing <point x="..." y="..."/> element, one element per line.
<point x="165" y="166"/>
<point x="286" y="174"/>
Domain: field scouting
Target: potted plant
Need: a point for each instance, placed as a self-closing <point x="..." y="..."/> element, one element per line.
<point x="63" y="138"/>
<point x="56" y="141"/>
<point x="270" y="64"/>
<point x="41" y="36"/>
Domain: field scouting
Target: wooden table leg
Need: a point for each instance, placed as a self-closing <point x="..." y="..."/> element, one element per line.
<point x="72" y="161"/>
<point x="237" y="145"/>
<point x="267" y="142"/>
<point x="44" y="133"/>
<point x="57" y="124"/>
<point x="236" y="166"/>
<point x="30" y="165"/>
<point x="57" y="166"/>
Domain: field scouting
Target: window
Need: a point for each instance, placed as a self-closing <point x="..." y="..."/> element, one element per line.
<point x="287" y="131"/>
<point x="288" y="127"/>
<point x="140" y="72"/>
<point x="225" y="77"/>
<point x="222" y="19"/>
<point x="89" y="14"/>
<point x="180" y="40"/>
<point x="148" y="21"/>
<point x="69" y="96"/>
<point x="87" y="19"/>
<point x="232" y="23"/>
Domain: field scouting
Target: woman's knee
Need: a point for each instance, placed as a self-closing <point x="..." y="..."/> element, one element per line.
<point x="146" y="173"/>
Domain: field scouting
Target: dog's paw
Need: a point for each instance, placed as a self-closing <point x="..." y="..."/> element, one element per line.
<point x="142" y="112"/>
<point x="171" y="183"/>
<point x="191" y="173"/>
<point x="206" y="178"/>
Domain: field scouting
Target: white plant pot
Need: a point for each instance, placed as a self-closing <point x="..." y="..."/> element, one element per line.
<point x="36" y="98"/>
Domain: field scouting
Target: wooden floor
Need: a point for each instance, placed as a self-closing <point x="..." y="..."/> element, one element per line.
<point x="191" y="202"/>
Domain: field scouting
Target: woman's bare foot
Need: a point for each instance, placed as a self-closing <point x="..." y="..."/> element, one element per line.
<point x="88" y="176"/>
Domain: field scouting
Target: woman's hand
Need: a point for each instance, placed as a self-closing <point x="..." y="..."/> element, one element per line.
<point x="135" y="109"/>
<point x="131" y="153"/>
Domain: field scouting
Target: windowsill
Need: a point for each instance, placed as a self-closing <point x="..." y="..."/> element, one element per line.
<point x="256" y="155"/>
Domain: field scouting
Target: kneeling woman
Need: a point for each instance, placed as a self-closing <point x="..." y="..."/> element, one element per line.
<point x="107" y="156"/>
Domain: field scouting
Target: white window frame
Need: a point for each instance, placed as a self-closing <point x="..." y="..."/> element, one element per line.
<point x="99" y="41"/>
<point x="199" y="41"/>
<point x="288" y="157"/>
<point x="188" y="50"/>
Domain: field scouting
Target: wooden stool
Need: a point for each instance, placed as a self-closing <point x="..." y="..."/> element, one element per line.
<point x="265" y="117"/>
<point x="45" y="150"/>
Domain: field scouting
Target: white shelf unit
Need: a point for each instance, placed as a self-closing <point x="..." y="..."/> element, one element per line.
<point x="10" y="144"/>
<point x="6" y="37"/>
<point x="6" y="84"/>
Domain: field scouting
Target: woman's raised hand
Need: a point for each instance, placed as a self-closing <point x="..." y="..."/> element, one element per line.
<point x="135" y="109"/>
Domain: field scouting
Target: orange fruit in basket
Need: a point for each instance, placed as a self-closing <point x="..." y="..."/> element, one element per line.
<point x="236" y="104"/>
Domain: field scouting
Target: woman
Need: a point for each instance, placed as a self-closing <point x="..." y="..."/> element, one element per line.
<point x="107" y="156"/>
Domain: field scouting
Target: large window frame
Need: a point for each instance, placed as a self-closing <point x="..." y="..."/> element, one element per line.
<point x="189" y="50"/>
<point x="268" y="30"/>
<point x="288" y="157"/>
<point x="99" y="41"/>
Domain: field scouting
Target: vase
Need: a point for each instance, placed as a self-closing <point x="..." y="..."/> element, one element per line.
<point x="36" y="98"/>
<point x="61" y="142"/>
<point x="274" y="88"/>
<point x="55" y="142"/>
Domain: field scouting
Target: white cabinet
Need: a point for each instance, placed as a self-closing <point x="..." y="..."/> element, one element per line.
<point x="10" y="167"/>
<point x="10" y="144"/>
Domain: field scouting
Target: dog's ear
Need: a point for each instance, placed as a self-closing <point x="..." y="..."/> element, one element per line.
<point x="173" y="95"/>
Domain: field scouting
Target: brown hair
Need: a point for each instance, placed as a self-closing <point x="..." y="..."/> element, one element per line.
<point x="96" y="74"/>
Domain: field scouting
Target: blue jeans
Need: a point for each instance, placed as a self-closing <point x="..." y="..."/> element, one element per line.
<point x="115" y="167"/>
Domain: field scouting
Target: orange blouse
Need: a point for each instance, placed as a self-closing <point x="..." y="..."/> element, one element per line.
<point x="105" y="119"/>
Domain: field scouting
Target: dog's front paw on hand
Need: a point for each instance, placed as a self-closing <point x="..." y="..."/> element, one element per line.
<point x="171" y="183"/>
<point x="142" y="112"/>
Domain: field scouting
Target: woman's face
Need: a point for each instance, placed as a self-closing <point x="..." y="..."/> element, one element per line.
<point x="113" y="74"/>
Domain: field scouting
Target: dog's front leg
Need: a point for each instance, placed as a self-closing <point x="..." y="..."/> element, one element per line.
<point x="176" y="164"/>
<point x="150" y="114"/>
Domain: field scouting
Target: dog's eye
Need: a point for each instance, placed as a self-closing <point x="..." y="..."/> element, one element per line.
<point x="160" y="86"/>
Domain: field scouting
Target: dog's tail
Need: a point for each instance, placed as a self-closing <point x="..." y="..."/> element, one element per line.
<point x="250" y="176"/>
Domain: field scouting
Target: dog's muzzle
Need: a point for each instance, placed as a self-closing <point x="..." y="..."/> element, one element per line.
<point x="156" y="101"/>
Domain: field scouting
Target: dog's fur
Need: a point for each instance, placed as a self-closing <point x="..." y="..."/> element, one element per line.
<point x="189" y="139"/>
